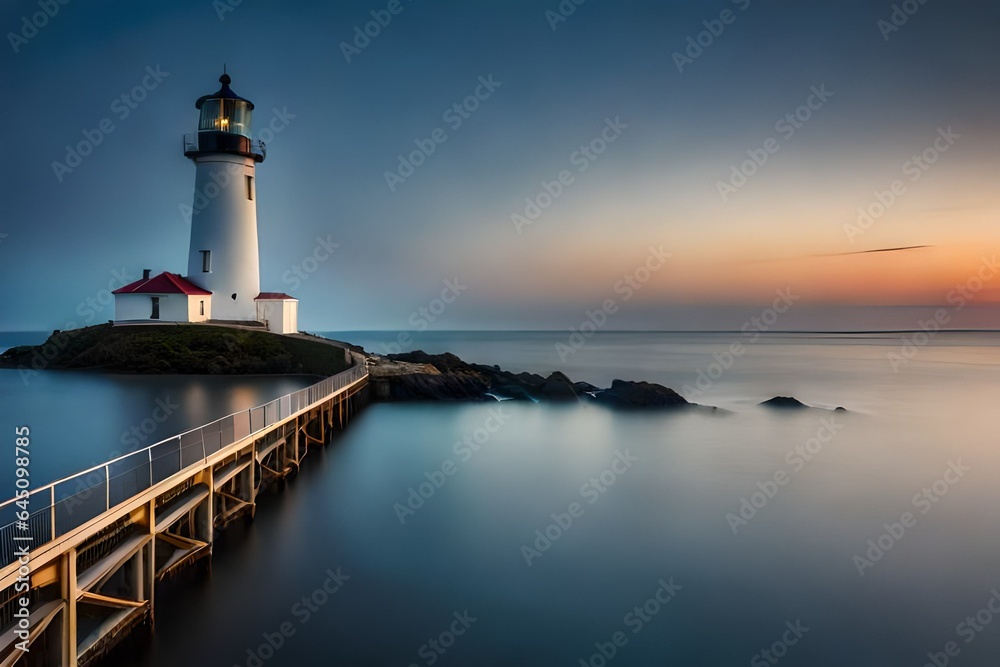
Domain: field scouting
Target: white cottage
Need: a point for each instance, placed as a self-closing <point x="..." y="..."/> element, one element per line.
<point x="278" y="311"/>
<point x="166" y="297"/>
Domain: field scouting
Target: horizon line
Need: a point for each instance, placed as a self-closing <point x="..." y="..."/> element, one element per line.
<point x="605" y="331"/>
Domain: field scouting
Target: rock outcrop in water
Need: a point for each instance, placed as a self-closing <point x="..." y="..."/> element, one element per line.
<point x="623" y="394"/>
<point x="557" y="387"/>
<point x="791" y="403"/>
<point x="444" y="377"/>
<point x="785" y="403"/>
<point x="416" y="381"/>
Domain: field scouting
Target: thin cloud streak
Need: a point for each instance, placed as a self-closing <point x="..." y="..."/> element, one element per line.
<point x="868" y="252"/>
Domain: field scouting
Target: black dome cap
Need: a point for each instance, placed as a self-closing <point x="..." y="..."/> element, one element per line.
<point x="224" y="93"/>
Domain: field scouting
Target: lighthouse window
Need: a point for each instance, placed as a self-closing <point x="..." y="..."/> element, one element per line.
<point x="250" y="187"/>
<point x="155" y="315"/>
<point x="206" y="261"/>
<point x="225" y="115"/>
<point x="201" y="308"/>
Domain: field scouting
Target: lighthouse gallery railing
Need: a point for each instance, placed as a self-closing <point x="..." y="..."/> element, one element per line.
<point x="191" y="145"/>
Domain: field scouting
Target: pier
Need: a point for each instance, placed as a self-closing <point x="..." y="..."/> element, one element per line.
<point x="81" y="558"/>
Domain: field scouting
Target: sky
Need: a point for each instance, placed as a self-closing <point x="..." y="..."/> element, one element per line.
<point x="677" y="165"/>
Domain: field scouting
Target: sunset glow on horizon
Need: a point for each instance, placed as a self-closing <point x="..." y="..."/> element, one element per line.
<point x="753" y="170"/>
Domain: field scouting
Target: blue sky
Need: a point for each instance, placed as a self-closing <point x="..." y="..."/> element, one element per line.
<point x="343" y="125"/>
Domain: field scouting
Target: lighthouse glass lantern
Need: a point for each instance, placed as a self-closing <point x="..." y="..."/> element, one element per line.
<point x="226" y="115"/>
<point x="224" y="125"/>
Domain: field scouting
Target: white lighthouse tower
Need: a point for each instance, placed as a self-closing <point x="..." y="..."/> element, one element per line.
<point x="223" y="274"/>
<point x="224" y="256"/>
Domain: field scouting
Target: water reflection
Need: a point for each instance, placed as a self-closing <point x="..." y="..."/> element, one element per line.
<point x="81" y="419"/>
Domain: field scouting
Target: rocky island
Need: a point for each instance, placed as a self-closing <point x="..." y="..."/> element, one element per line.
<point x="195" y="349"/>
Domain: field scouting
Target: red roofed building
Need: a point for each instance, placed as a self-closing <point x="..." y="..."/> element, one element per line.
<point x="166" y="297"/>
<point x="165" y="283"/>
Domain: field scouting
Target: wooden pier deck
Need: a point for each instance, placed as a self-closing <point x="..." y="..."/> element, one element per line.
<point x="80" y="571"/>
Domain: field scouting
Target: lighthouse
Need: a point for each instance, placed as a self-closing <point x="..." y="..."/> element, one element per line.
<point x="223" y="257"/>
<point x="223" y="275"/>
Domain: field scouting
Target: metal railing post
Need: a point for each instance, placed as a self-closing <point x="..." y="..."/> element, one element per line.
<point x="52" y="503"/>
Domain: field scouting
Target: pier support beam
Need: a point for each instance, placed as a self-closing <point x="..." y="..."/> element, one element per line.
<point x="68" y="591"/>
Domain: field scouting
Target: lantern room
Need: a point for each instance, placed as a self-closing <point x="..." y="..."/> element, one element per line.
<point x="224" y="111"/>
<point x="224" y="126"/>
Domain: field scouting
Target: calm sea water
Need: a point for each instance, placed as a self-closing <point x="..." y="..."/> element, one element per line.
<point x="80" y="419"/>
<point x="617" y="509"/>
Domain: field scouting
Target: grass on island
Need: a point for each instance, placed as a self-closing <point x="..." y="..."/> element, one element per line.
<point x="180" y="349"/>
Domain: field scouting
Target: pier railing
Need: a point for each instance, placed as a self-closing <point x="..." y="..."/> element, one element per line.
<point x="61" y="506"/>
